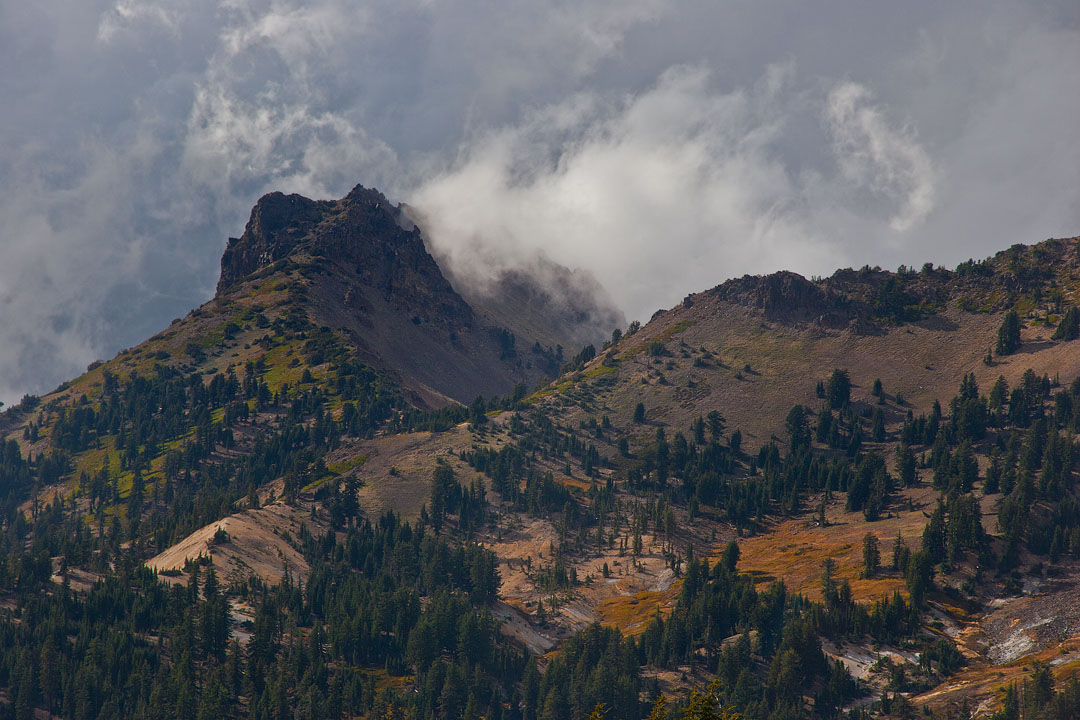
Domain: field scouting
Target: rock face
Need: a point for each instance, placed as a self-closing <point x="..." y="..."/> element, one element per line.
<point x="787" y="295"/>
<point x="370" y="275"/>
<point x="279" y="224"/>
<point x="846" y="300"/>
<point x="362" y="231"/>
<point x="781" y="296"/>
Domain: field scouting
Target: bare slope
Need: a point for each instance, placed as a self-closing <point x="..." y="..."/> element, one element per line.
<point x="251" y="542"/>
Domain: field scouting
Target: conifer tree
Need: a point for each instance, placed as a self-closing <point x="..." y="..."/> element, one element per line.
<point x="1008" y="339"/>
<point x="838" y="389"/>
<point x="871" y="555"/>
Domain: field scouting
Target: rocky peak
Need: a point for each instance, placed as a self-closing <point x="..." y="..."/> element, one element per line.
<point x="361" y="267"/>
<point x="363" y="233"/>
<point x="278" y="224"/>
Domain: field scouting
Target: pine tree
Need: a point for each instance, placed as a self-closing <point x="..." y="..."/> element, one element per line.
<point x="900" y="554"/>
<point x="1008" y="340"/>
<point x="798" y="428"/>
<point x="731" y="556"/>
<point x="905" y="466"/>
<point x="838" y="389"/>
<point x="1069" y="327"/>
<point x="877" y="432"/>
<point x="871" y="555"/>
<point x="50" y="673"/>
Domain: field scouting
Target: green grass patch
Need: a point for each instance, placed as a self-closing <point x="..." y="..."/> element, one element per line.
<point x="316" y="484"/>
<point x="600" y="371"/>
<point x="541" y="394"/>
<point x="1023" y="306"/>
<point x="351" y="464"/>
<point x="972" y="305"/>
<point x="278" y="371"/>
<point x="90" y="461"/>
<point x="679" y="327"/>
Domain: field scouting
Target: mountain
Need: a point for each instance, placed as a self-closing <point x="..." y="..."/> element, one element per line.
<point x="852" y="494"/>
<point x="362" y="268"/>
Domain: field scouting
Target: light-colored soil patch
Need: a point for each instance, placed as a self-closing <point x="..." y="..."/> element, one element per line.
<point x="859" y="659"/>
<point x="628" y="598"/>
<point x="78" y="579"/>
<point x="256" y="545"/>
<point x="1046" y="615"/>
<point x="517" y="625"/>
<point x="397" y="472"/>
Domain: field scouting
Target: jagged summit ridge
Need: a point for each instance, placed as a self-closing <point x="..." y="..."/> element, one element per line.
<point x="278" y="224"/>
<point x="363" y="230"/>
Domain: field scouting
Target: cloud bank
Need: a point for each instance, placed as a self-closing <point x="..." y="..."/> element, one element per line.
<point x="662" y="146"/>
<point x="680" y="186"/>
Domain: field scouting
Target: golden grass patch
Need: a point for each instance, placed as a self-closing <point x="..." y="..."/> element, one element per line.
<point x="631" y="614"/>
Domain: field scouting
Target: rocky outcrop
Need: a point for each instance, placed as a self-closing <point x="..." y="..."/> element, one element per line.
<point x="790" y="298"/>
<point x="781" y="296"/>
<point x="279" y="224"/>
<point x="363" y="233"/>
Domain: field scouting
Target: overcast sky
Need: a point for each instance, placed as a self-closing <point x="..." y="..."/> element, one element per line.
<point x="665" y="146"/>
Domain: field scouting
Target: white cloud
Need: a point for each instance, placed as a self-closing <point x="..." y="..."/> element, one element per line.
<point x="128" y="14"/>
<point x="888" y="162"/>
<point x="675" y="188"/>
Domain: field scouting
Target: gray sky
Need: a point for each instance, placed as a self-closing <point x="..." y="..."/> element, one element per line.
<point x="665" y="146"/>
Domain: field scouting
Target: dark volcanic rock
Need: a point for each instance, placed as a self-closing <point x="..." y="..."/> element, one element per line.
<point x="278" y="224"/>
<point x="782" y="296"/>
<point x="362" y="232"/>
<point x="790" y="298"/>
<point x="786" y="295"/>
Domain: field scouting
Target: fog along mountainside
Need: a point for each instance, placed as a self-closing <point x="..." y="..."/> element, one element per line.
<point x="347" y="487"/>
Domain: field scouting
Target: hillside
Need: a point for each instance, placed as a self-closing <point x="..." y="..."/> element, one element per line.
<point x="752" y="356"/>
<point x="688" y="503"/>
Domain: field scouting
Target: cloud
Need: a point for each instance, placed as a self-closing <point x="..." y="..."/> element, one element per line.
<point x="886" y="161"/>
<point x="128" y="14"/>
<point x="677" y="187"/>
<point x="662" y="146"/>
